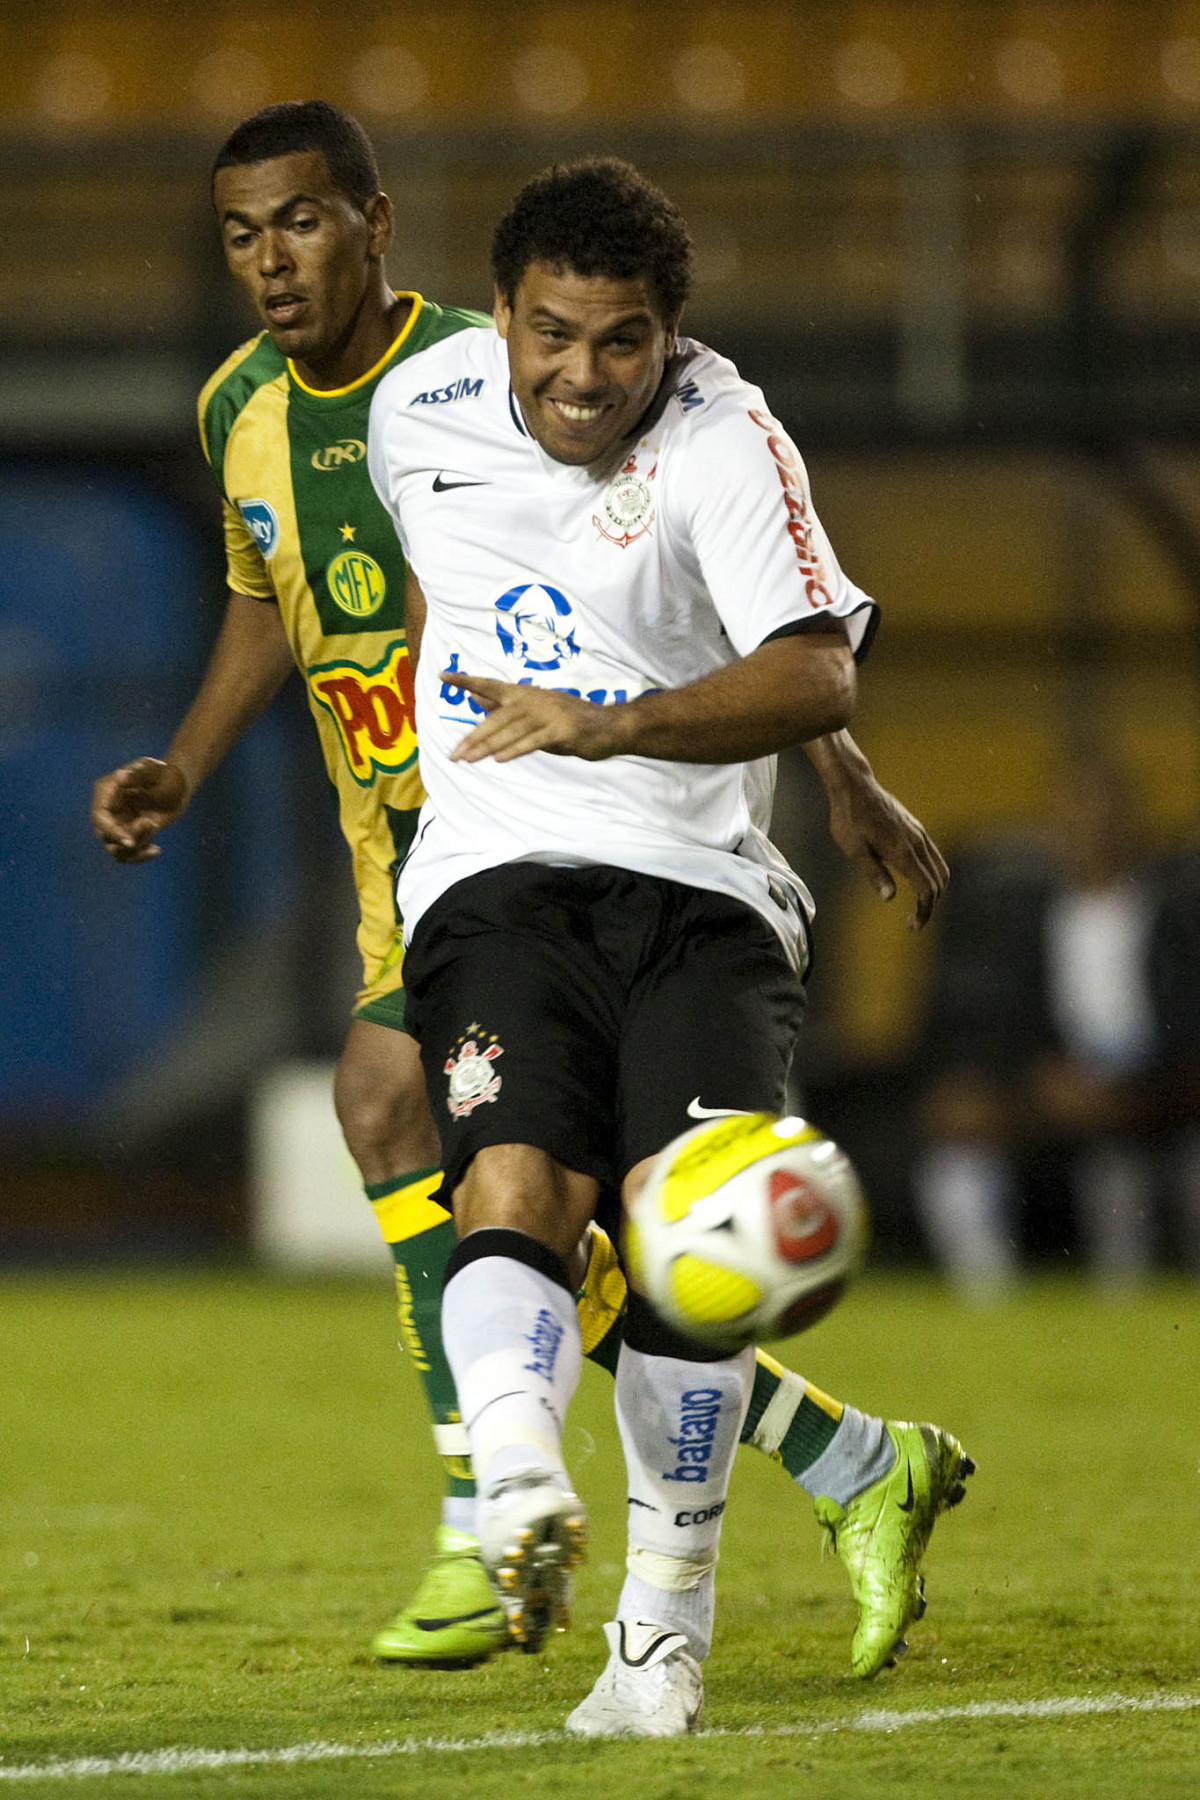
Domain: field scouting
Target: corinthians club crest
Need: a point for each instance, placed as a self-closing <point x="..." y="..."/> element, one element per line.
<point x="472" y="1071"/>
<point x="628" y="506"/>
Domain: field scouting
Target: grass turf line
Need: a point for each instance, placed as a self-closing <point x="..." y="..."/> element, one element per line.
<point x="212" y="1499"/>
<point x="172" y="1761"/>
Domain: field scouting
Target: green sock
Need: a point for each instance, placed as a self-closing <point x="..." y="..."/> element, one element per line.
<point x="789" y="1419"/>
<point x="420" y="1235"/>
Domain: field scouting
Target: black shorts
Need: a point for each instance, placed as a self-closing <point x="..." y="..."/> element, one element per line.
<point x="594" y="1013"/>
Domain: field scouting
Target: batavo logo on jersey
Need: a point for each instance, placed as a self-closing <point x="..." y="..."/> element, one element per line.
<point x="465" y="707"/>
<point x="356" y="583"/>
<point x="536" y="627"/>
<point x="373" y="710"/>
<point x="791" y="475"/>
<point x="338" y="456"/>
<point x="535" y="624"/>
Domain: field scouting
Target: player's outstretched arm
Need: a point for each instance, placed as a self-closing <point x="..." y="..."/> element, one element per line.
<point x="874" y="830"/>
<point x="250" y="661"/>
<point x="789" y="689"/>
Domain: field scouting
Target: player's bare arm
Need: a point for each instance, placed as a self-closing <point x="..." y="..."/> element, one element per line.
<point x="874" y="830"/>
<point x="250" y="661"/>
<point x="787" y="690"/>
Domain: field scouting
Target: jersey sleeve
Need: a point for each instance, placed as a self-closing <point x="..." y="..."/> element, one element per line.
<point x="384" y="459"/>
<point x="763" y="553"/>
<point x="246" y="571"/>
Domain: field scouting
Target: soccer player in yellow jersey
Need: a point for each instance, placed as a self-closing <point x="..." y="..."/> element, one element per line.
<point x="316" y="582"/>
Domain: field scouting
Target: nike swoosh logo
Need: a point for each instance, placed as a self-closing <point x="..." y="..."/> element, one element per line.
<point x="696" y="1111"/>
<point x="484" y="1612"/>
<point x="907" y="1505"/>
<point x="442" y="486"/>
<point x="655" y="1643"/>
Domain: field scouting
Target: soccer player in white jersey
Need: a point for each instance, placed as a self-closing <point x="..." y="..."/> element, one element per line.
<point x="296" y="189"/>
<point x="625" y="605"/>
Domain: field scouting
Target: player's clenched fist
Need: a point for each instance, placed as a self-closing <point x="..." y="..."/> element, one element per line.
<point x="131" y="805"/>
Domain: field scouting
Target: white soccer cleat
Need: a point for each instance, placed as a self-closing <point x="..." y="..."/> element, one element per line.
<point x="532" y="1531"/>
<point x="651" y="1687"/>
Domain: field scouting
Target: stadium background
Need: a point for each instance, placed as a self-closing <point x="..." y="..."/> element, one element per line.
<point x="957" y="243"/>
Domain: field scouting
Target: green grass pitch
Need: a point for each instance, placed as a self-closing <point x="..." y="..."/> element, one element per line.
<point x="215" y="1487"/>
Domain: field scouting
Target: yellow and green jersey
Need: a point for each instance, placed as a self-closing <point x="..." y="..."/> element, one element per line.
<point x="304" y="529"/>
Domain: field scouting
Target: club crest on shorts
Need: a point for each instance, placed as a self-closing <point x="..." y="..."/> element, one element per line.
<point x="472" y="1072"/>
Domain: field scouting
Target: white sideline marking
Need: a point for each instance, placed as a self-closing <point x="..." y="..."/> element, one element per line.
<point x="177" y="1762"/>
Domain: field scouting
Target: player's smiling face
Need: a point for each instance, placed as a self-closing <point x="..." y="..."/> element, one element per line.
<point x="586" y="354"/>
<point x="304" y="253"/>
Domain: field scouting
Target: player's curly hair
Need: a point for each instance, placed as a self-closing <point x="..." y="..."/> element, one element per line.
<point x="295" y="125"/>
<point x="598" y="217"/>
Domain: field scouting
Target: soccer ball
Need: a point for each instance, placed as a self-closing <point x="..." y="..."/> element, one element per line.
<point x="749" y="1226"/>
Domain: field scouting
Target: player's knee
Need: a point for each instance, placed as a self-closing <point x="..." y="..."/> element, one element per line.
<point x="519" y="1187"/>
<point x="385" y="1120"/>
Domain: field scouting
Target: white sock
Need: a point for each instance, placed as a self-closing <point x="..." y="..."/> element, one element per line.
<point x="679" y="1423"/>
<point x="967" y="1203"/>
<point x="859" y="1454"/>
<point x="458" y="1512"/>
<point x="512" y="1342"/>
<point x="686" y="1610"/>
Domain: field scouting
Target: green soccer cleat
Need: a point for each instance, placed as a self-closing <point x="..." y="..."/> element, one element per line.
<point x="881" y="1536"/>
<point x="454" y="1619"/>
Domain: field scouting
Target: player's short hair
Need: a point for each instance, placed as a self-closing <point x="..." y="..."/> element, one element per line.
<point x="295" y="125"/>
<point x="598" y="217"/>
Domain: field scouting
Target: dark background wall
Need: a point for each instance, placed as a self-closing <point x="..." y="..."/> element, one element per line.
<point x="957" y="244"/>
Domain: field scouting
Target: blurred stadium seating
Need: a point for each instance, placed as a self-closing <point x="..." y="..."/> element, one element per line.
<point x="958" y="242"/>
<point x="151" y="64"/>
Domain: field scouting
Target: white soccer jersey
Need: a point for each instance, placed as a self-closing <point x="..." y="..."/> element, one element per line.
<point x="693" y="545"/>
